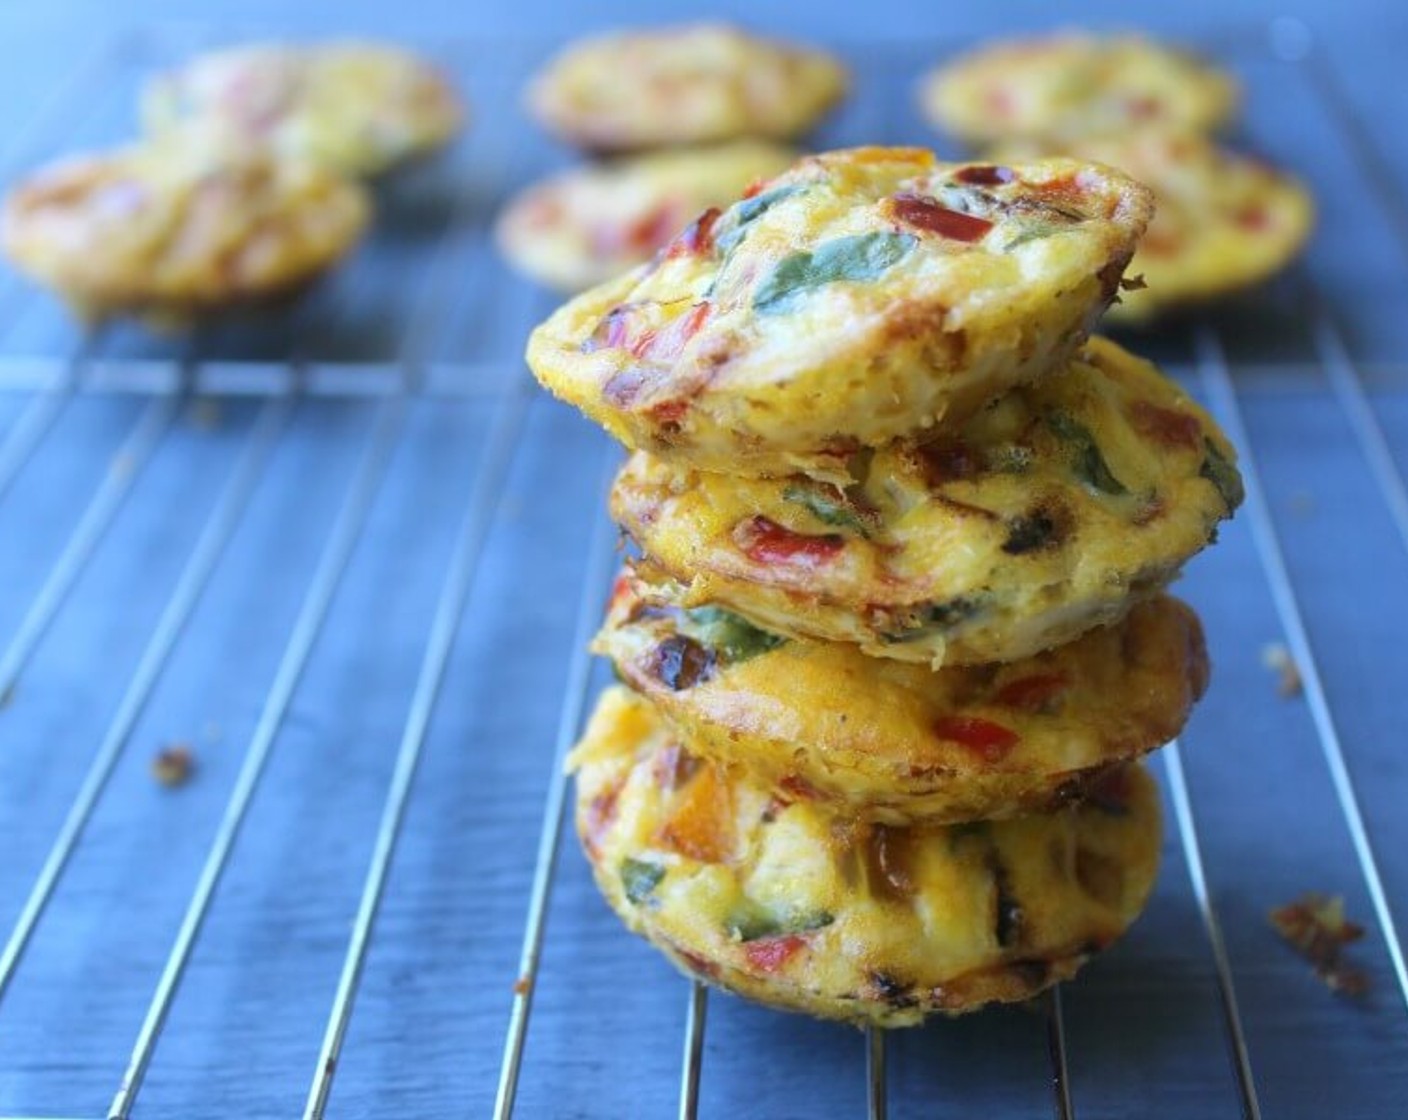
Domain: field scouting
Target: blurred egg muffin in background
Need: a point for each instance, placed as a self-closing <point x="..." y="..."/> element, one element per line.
<point x="1223" y="221"/>
<point x="688" y="84"/>
<point x="357" y="108"/>
<point x="590" y="223"/>
<point x="171" y="233"/>
<point x="1074" y="84"/>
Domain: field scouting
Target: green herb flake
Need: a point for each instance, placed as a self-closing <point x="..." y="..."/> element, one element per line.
<point x="1222" y="474"/>
<point x="640" y="879"/>
<point x="1012" y="458"/>
<point x="731" y="635"/>
<point x="1089" y="464"/>
<point x="749" y="211"/>
<point x="864" y="256"/>
<point x="1037" y="231"/>
<point x="826" y="508"/>
<point x="751" y="921"/>
<point x="938" y="618"/>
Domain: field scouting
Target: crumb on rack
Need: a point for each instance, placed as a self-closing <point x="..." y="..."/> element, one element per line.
<point x="1278" y="659"/>
<point x="205" y="413"/>
<point x="523" y="985"/>
<point x="174" y="764"/>
<point x="1315" y="926"/>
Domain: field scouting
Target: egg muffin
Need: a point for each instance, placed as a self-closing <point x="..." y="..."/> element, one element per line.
<point x="357" y="108"/>
<point x="861" y="296"/>
<point x="785" y="903"/>
<point x="160" y="232"/>
<point x="691" y="84"/>
<point x="1051" y="511"/>
<point x="1223" y="221"/>
<point x="591" y="223"/>
<point x="901" y="743"/>
<point x="1075" y="85"/>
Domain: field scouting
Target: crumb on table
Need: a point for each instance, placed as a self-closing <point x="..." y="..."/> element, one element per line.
<point x="174" y="764"/>
<point x="1278" y="659"/>
<point x="1316" y="927"/>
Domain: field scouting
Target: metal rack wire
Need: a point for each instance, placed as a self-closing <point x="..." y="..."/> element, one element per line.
<point x="427" y="365"/>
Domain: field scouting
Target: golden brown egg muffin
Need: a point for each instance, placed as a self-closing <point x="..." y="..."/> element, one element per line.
<point x="787" y="904"/>
<point x="591" y="223"/>
<point x="357" y="108"/>
<point x="1053" y="510"/>
<point x="692" y="84"/>
<point x="1075" y="85"/>
<point x="160" y="232"/>
<point x="901" y="743"/>
<point x="1223" y="221"/>
<point x="861" y="296"/>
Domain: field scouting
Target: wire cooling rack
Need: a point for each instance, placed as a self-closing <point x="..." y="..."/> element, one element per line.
<point x="347" y="555"/>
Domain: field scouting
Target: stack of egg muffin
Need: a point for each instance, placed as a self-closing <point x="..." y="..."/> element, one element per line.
<point x="893" y="639"/>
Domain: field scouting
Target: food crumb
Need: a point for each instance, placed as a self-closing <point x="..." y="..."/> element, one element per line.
<point x="205" y="414"/>
<point x="1315" y="926"/>
<point x="174" y="764"/>
<point x="523" y="985"/>
<point x="1277" y="658"/>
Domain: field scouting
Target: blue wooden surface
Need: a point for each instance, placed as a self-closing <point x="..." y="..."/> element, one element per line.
<point x="1144" y="1024"/>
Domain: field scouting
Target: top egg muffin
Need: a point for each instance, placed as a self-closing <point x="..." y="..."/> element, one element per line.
<point x="861" y="296"/>
<point x="357" y="108"/>
<point x="697" y="83"/>
<point x="1074" y="85"/>
<point x="162" y="232"/>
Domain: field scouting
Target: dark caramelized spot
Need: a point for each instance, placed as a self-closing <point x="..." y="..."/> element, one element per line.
<point x="985" y="175"/>
<point x="679" y="663"/>
<point x="949" y="461"/>
<point x="925" y="213"/>
<point x="894" y="992"/>
<point x="1033" y="972"/>
<point x="1110" y="790"/>
<point x="1029" y="532"/>
<point x="889" y="858"/>
<point x="1109" y="277"/>
<point x="1007" y="911"/>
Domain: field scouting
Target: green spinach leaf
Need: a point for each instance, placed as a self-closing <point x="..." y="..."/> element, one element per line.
<point x="1088" y="463"/>
<point x="863" y="256"/>
<point x="640" y="879"/>
<point x="1222" y="474"/>
<point x="826" y="508"/>
<point x="733" y="636"/>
